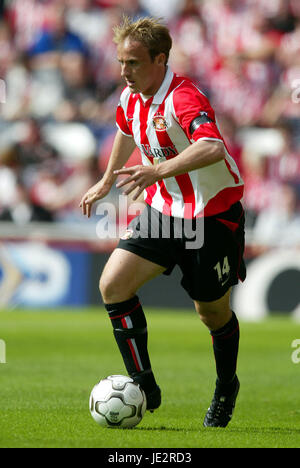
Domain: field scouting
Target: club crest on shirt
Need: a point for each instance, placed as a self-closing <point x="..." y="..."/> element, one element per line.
<point x="159" y="123"/>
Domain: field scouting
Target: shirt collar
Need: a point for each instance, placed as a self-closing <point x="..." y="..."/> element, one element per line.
<point x="161" y="93"/>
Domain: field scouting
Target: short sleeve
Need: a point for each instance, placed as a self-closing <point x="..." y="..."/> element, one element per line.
<point x="121" y="121"/>
<point x="190" y="103"/>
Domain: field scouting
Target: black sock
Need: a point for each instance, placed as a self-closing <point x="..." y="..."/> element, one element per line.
<point x="226" y="345"/>
<point x="130" y="331"/>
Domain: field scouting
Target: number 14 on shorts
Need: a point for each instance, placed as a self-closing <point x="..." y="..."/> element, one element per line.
<point x="223" y="269"/>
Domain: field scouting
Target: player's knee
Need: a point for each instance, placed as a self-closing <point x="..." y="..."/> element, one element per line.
<point x="113" y="290"/>
<point x="213" y="314"/>
<point x="107" y="288"/>
<point x="205" y="311"/>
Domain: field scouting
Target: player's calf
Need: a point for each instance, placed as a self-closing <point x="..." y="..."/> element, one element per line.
<point x="130" y="332"/>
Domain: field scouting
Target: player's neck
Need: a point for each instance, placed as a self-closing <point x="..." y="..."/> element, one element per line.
<point x="145" y="96"/>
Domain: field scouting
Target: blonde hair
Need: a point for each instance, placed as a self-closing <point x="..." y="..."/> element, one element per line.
<point x="149" y="31"/>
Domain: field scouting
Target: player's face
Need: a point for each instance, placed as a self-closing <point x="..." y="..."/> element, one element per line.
<point x="142" y="75"/>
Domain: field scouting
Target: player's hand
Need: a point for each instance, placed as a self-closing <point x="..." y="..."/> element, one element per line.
<point x="98" y="191"/>
<point x="141" y="176"/>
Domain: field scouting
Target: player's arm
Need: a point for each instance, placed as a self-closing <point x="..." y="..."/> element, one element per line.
<point x="200" y="154"/>
<point x="122" y="149"/>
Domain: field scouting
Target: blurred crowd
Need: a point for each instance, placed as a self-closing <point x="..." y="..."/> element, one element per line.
<point x="60" y="85"/>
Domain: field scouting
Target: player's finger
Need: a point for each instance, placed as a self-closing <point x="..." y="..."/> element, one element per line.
<point x="88" y="209"/>
<point x="127" y="170"/>
<point x="83" y="207"/>
<point x="82" y="201"/>
<point x="131" y="188"/>
<point x="124" y="170"/>
<point x="86" y="206"/>
<point x="125" y="181"/>
<point x="138" y="192"/>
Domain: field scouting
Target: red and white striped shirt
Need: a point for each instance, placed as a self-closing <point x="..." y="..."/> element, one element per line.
<point x="160" y="127"/>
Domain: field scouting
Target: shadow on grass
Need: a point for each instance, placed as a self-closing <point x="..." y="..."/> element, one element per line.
<point x="163" y="428"/>
<point x="240" y="430"/>
<point x="265" y="430"/>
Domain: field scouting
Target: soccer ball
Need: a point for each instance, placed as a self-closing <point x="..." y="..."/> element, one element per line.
<point x="117" y="401"/>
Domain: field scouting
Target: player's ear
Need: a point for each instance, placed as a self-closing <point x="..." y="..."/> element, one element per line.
<point x="160" y="59"/>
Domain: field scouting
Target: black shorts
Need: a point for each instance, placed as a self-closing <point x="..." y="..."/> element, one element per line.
<point x="209" y="251"/>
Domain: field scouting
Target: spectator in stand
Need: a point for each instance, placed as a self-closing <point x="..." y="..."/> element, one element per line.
<point x="27" y="159"/>
<point x="260" y="190"/>
<point x="90" y="19"/>
<point x="26" y="18"/>
<point x="285" y="97"/>
<point x="279" y="224"/>
<point x="55" y="40"/>
<point x="229" y="130"/>
<point x="191" y="46"/>
<point x="241" y="81"/>
<point x="284" y="167"/>
<point x="227" y="22"/>
<point x="78" y="89"/>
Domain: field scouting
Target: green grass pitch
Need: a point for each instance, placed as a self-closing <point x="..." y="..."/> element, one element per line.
<point x="53" y="359"/>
